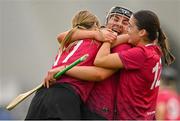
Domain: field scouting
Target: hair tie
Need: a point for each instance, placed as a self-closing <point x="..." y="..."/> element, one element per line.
<point x="77" y="25"/>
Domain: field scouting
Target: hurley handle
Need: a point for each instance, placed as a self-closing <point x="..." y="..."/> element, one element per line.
<point x="23" y="96"/>
<point x="57" y="75"/>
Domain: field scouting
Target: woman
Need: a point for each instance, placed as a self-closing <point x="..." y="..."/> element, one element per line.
<point x="140" y="76"/>
<point x="65" y="96"/>
<point x="102" y="99"/>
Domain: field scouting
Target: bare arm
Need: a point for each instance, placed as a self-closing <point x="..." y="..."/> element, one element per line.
<point x="88" y="34"/>
<point x="120" y="40"/>
<point x="61" y="36"/>
<point x="90" y="73"/>
<point x="84" y="73"/>
<point x="107" y="60"/>
<point x="78" y="34"/>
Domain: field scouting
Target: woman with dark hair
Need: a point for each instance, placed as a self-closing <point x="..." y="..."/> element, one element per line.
<point x="140" y="77"/>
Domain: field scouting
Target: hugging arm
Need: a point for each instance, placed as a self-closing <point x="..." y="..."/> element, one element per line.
<point x="88" y="34"/>
<point x="84" y="73"/>
<point x="78" y="34"/>
<point x="120" y="40"/>
<point x="90" y="73"/>
<point x="106" y="59"/>
<point x="104" y="35"/>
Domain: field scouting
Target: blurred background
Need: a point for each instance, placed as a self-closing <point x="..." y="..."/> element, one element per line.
<point x="28" y="45"/>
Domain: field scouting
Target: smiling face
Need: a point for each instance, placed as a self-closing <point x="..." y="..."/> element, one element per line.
<point x="136" y="35"/>
<point x="133" y="32"/>
<point x="118" y="23"/>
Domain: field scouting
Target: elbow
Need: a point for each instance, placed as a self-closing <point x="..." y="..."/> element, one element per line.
<point x="100" y="77"/>
<point x="60" y="38"/>
<point x="97" y="62"/>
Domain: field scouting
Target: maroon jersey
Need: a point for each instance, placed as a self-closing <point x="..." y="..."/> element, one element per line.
<point x="139" y="82"/>
<point x="72" y="53"/>
<point x="102" y="98"/>
<point x="170" y="99"/>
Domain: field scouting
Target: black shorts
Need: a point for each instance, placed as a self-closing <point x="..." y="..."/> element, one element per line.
<point x="89" y="115"/>
<point x="58" y="102"/>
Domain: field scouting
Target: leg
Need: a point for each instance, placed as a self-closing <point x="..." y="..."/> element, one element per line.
<point x="37" y="109"/>
<point x="63" y="103"/>
<point x="87" y="114"/>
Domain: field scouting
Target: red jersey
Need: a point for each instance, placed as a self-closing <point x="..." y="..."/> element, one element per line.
<point x="139" y="83"/>
<point x="72" y="53"/>
<point x="170" y="99"/>
<point x="102" y="98"/>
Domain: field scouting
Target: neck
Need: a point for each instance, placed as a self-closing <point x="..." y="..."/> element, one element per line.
<point x="145" y="42"/>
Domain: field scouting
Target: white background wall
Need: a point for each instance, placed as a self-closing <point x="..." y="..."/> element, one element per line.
<point x="28" y="30"/>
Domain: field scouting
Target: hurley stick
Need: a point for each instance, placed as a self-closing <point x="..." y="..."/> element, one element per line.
<point x="23" y="96"/>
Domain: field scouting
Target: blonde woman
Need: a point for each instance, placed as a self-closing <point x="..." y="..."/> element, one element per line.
<point x="65" y="96"/>
<point x="102" y="99"/>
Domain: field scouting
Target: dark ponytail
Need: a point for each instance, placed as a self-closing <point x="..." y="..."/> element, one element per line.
<point x="149" y="21"/>
<point x="163" y="43"/>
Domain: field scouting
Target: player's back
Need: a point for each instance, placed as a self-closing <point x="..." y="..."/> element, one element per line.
<point x="72" y="53"/>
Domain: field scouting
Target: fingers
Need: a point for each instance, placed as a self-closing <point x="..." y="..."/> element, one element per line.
<point x="49" y="79"/>
<point x="48" y="83"/>
<point x="109" y="35"/>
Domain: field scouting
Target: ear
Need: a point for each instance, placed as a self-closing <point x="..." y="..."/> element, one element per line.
<point x="142" y="33"/>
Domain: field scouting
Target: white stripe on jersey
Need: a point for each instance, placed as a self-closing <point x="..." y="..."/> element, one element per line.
<point x="59" y="55"/>
<point x="73" y="51"/>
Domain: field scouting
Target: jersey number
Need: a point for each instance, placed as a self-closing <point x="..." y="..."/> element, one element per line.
<point x="70" y="54"/>
<point x="157" y="72"/>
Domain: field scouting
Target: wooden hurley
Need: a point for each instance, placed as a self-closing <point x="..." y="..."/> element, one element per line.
<point x="23" y="96"/>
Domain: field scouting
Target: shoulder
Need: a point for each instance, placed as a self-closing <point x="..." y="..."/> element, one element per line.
<point x="92" y="42"/>
<point x="149" y="50"/>
<point x="138" y="50"/>
<point x="121" y="47"/>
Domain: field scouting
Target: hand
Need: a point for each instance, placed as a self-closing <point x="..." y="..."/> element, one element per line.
<point x="106" y="35"/>
<point x="49" y="79"/>
<point x="123" y="38"/>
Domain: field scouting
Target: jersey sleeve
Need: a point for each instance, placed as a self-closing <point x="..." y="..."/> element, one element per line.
<point x="133" y="58"/>
<point x="121" y="47"/>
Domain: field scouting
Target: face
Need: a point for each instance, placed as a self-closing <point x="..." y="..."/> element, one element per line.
<point x="118" y="24"/>
<point x="133" y="32"/>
